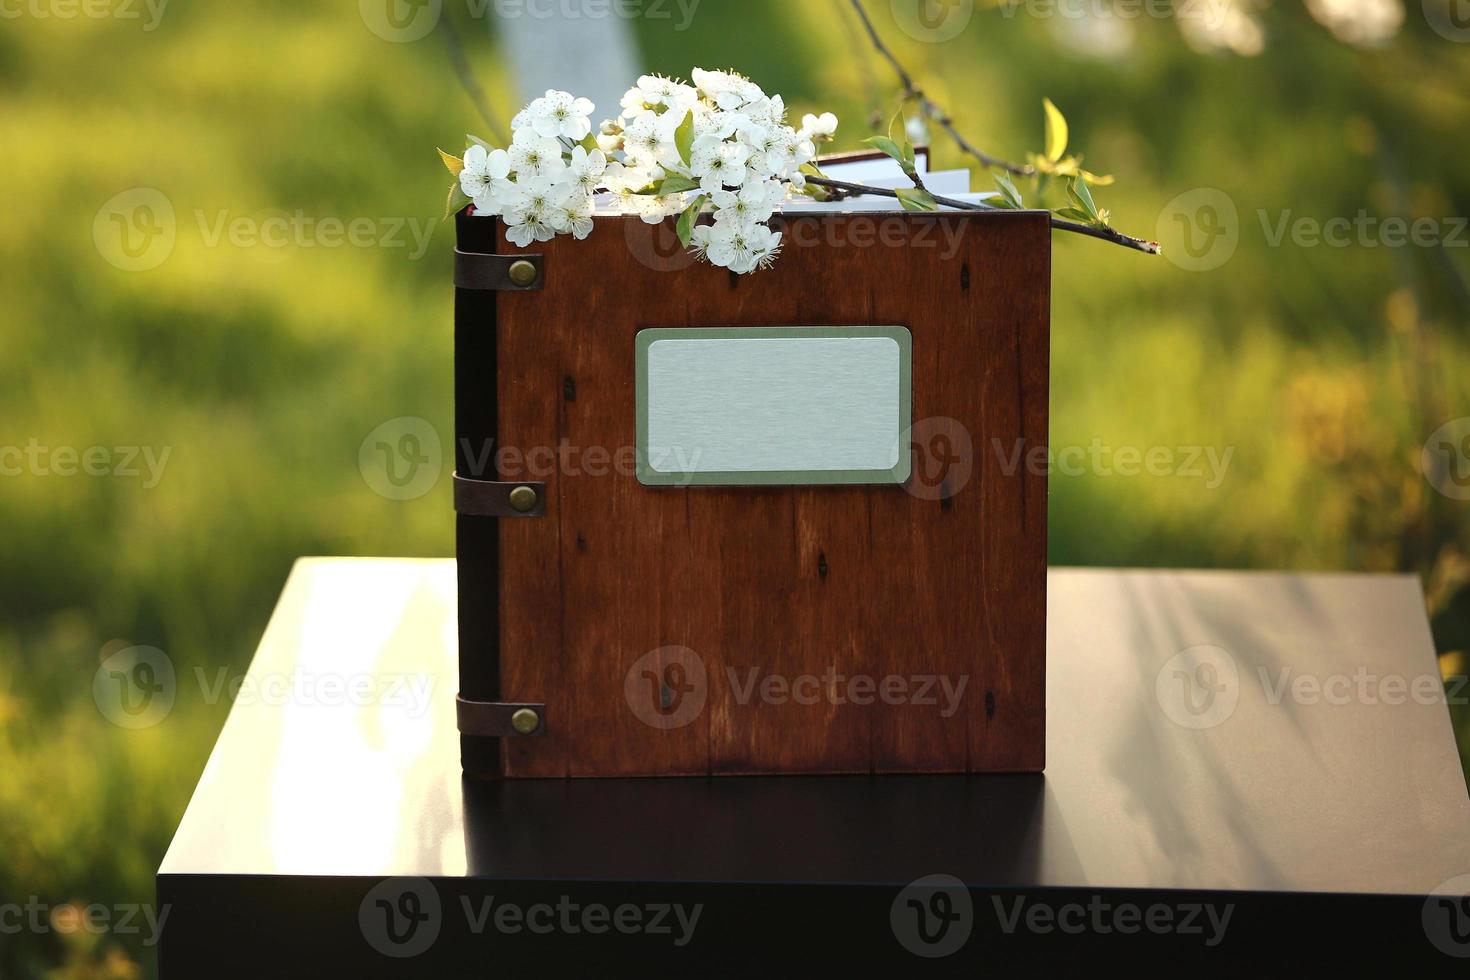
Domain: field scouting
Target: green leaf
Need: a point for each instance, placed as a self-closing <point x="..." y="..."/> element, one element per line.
<point x="1075" y="215"/>
<point x="675" y="184"/>
<point x="1008" y="191"/>
<point x="455" y="164"/>
<point x="473" y="140"/>
<point x="814" y="191"/>
<point x="589" y="142"/>
<point x="914" y="199"/>
<point x="1082" y="197"/>
<point x="896" y="144"/>
<point x="885" y="145"/>
<point x="689" y="219"/>
<point x="684" y="138"/>
<point x="1056" y="131"/>
<point x="903" y="153"/>
<point x="457" y="200"/>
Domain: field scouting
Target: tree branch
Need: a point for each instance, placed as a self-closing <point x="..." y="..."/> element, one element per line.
<point x="930" y="109"/>
<point x="467" y="80"/>
<point x="1061" y="224"/>
<point x="863" y="57"/>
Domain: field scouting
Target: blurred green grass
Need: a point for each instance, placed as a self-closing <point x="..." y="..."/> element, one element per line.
<point x="262" y="369"/>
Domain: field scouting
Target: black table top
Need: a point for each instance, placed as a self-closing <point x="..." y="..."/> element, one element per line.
<point x="1206" y="730"/>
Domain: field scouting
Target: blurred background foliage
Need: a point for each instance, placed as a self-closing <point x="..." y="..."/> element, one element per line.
<point x="262" y="368"/>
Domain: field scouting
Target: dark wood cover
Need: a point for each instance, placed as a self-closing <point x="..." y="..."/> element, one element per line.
<point x="924" y="580"/>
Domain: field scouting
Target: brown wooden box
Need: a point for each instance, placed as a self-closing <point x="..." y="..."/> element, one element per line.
<point x="589" y="610"/>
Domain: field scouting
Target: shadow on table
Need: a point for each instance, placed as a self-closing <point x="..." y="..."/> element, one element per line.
<point x="830" y="829"/>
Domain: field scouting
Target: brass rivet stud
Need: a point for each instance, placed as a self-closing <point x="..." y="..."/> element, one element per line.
<point x="525" y="721"/>
<point x="522" y="273"/>
<point x="523" y="499"/>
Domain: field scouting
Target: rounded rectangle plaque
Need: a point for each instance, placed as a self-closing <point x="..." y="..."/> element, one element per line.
<point x="744" y="406"/>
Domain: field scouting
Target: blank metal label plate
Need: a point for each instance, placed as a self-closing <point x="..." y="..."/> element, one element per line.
<point x="742" y="406"/>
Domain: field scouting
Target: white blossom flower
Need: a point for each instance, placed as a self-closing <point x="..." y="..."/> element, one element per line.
<point x="726" y="90"/>
<point x="537" y="211"/>
<point x="576" y="215"/>
<point x="650" y="140"/>
<point x="585" y="169"/>
<point x="533" y="155"/>
<point x="752" y="204"/>
<point x="719" y="166"/>
<point x="655" y="94"/>
<point x="558" y="114"/>
<point x="482" y="169"/>
<point x="738" y="246"/>
<point x="772" y="150"/>
<point x="651" y="208"/>
<point x="740" y="161"/>
<point x="818" y="127"/>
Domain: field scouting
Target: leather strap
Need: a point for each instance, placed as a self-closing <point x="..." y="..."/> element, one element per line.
<point x="481" y="270"/>
<point x="496" y="720"/>
<point x="485" y="498"/>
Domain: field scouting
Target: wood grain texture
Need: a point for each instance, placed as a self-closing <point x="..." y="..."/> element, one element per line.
<point x="940" y="581"/>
